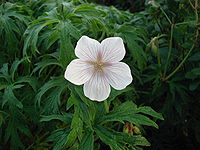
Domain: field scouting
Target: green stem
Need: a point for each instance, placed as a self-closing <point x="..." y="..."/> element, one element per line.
<point x="182" y="23"/>
<point x="166" y="16"/>
<point x="196" y="16"/>
<point x="106" y="106"/>
<point x="179" y="66"/>
<point x="191" y="4"/>
<point x="170" y="49"/>
<point x="197" y="33"/>
<point x="158" y="58"/>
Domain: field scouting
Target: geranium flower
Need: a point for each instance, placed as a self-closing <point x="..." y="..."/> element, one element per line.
<point x="99" y="66"/>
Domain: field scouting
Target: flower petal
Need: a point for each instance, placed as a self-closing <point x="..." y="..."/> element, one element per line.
<point x="97" y="88"/>
<point x="118" y="75"/>
<point x="79" y="71"/>
<point x="112" y="49"/>
<point x="87" y="49"/>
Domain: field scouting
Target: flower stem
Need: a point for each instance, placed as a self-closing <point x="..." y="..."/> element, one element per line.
<point x="158" y="58"/>
<point x="196" y="16"/>
<point x="191" y="4"/>
<point x="106" y="106"/>
<point x="179" y="66"/>
<point x="195" y="7"/>
<point x="170" y="49"/>
<point x="197" y="34"/>
<point x="187" y="22"/>
<point x="166" y="15"/>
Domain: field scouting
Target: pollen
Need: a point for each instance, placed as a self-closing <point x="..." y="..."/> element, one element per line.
<point x="98" y="66"/>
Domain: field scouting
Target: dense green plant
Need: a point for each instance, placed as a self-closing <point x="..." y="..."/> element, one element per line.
<point x="41" y="110"/>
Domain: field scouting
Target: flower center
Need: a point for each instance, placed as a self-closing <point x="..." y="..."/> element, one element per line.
<point x="98" y="66"/>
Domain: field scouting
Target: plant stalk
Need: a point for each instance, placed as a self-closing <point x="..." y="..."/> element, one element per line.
<point x="166" y="15"/>
<point x="170" y="50"/>
<point x="158" y="58"/>
<point x="179" y="66"/>
<point x="106" y="106"/>
<point x="196" y="16"/>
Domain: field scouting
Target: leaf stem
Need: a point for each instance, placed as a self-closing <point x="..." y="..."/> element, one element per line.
<point x="106" y="106"/>
<point x="179" y="66"/>
<point x="170" y="49"/>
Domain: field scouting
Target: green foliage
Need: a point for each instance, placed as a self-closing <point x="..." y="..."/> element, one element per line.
<point x="42" y="110"/>
<point x="117" y="140"/>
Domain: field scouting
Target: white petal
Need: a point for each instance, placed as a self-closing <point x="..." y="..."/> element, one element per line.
<point x="97" y="88"/>
<point x="79" y="71"/>
<point x="118" y="75"/>
<point x="87" y="49"/>
<point x="112" y="49"/>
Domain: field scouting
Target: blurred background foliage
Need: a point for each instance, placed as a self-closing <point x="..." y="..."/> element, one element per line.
<point x="41" y="110"/>
<point x="131" y="5"/>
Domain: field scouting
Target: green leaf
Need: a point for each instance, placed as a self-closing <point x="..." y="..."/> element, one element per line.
<point x="77" y="127"/>
<point x="149" y="111"/>
<point x="15" y="126"/>
<point x="65" y="117"/>
<point x="32" y="81"/>
<point x="59" y="137"/>
<point x="49" y="38"/>
<point x="136" y="50"/>
<point x="14" y="67"/>
<point x="5" y="73"/>
<point x="45" y="63"/>
<point x="84" y="112"/>
<point x="79" y="91"/>
<point x="194" y="57"/>
<point x="128" y="111"/>
<point x="70" y="101"/>
<point x="118" y="140"/>
<point x="109" y="139"/>
<point x="194" y="85"/>
<point x="74" y="32"/>
<point x="190" y="75"/>
<point x="54" y="82"/>
<point x="32" y="32"/>
<point x="96" y="26"/>
<point x="100" y="110"/>
<point x="87" y="143"/>
<point x="12" y="25"/>
<point x="53" y="100"/>
<point x="114" y="93"/>
<point x="66" y="48"/>
<point x="10" y="98"/>
<point x="80" y="102"/>
<point x="196" y="71"/>
<point x="86" y="9"/>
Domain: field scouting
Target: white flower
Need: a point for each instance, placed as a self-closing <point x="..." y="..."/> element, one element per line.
<point x="98" y="67"/>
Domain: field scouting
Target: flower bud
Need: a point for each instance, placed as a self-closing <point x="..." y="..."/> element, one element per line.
<point x="136" y="130"/>
<point x="154" y="4"/>
<point x="131" y="129"/>
<point x="126" y="128"/>
<point x="154" y="45"/>
<point x="154" y="49"/>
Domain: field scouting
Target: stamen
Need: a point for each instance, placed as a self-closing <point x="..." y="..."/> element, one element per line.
<point x="98" y="66"/>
